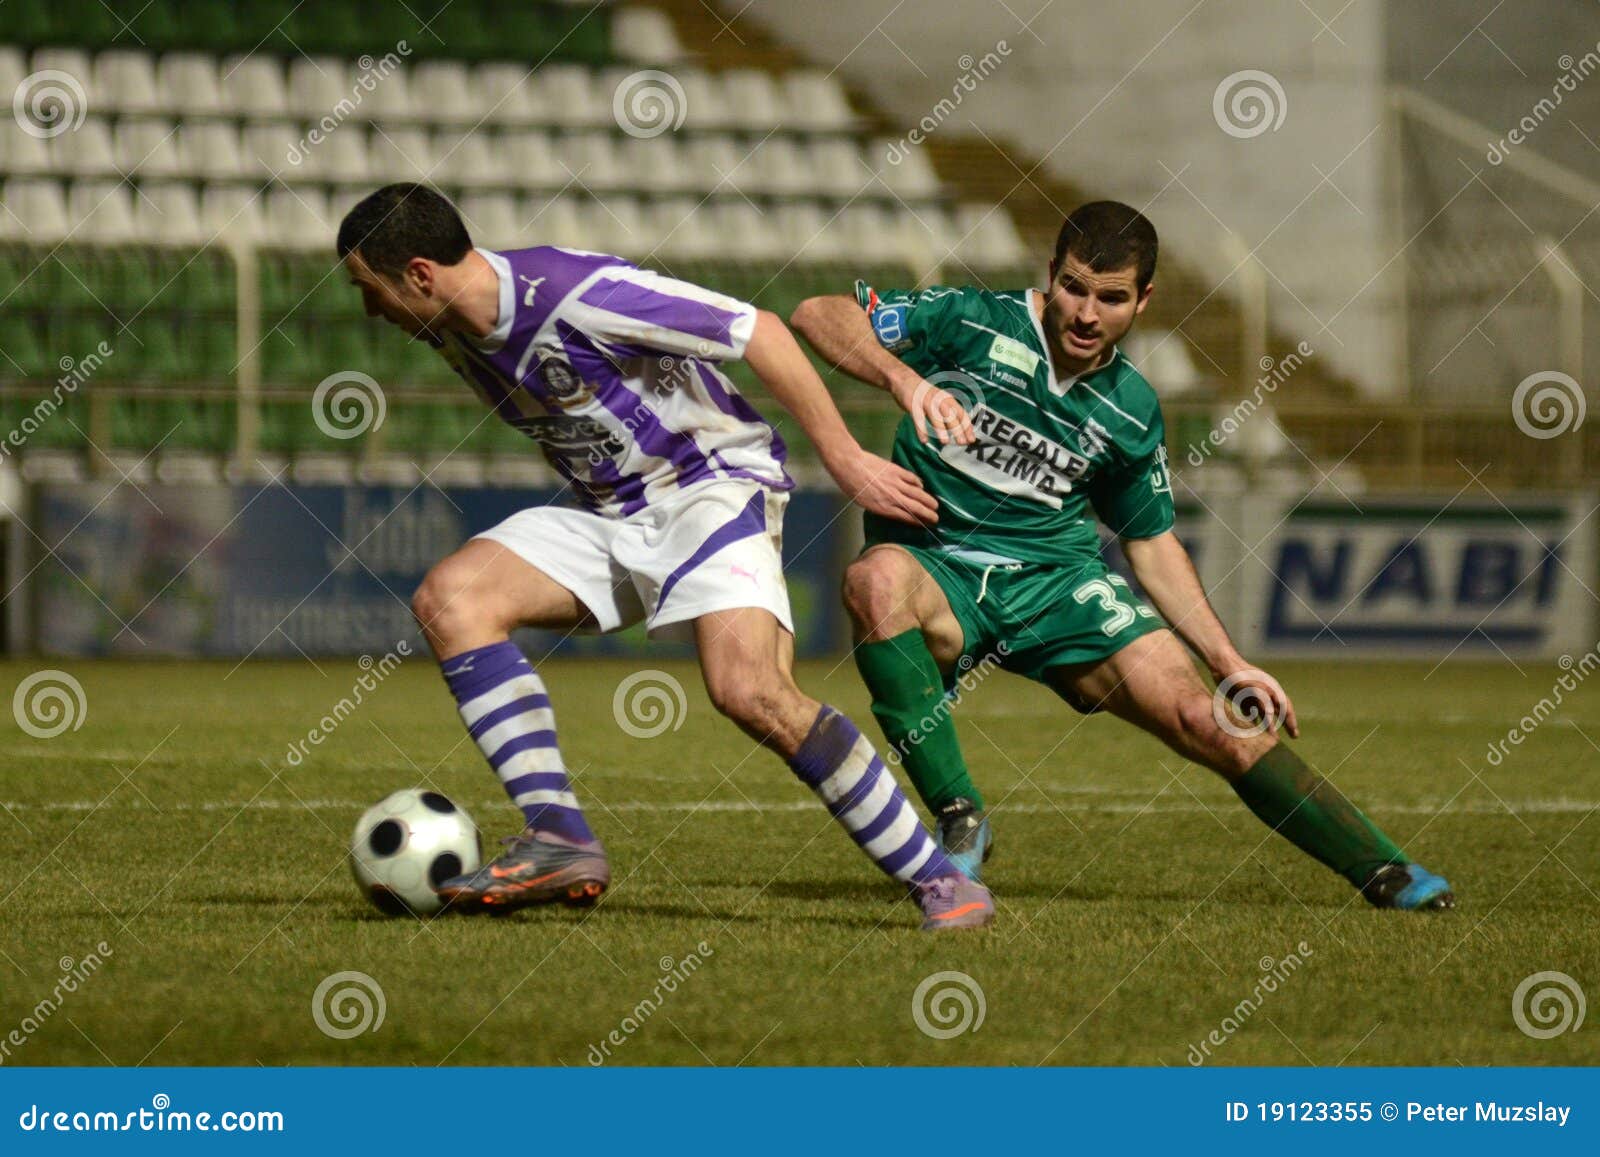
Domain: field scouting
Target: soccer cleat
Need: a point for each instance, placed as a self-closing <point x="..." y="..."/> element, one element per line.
<point x="964" y="835"/>
<point x="954" y="902"/>
<point x="1409" y="887"/>
<point x="535" y="868"/>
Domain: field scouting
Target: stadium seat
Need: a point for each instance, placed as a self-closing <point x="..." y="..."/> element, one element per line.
<point x="655" y="162"/>
<point x="72" y="61"/>
<point x="779" y="167"/>
<point x="298" y="219"/>
<point x="491" y="219"/>
<point x="338" y="157"/>
<point x="802" y="228"/>
<point x="911" y="178"/>
<point x="645" y="36"/>
<point x="399" y="154"/>
<point x="717" y="165"/>
<point x="816" y="102"/>
<point x="168" y="212"/>
<point x="316" y="86"/>
<point x="187" y="81"/>
<point x="753" y="99"/>
<point x="149" y="148"/>
<point x="85" y="151"/>
<point x="590" y="160"/>
<point x="990" y="237"/>
<point x="704" y="106"/>
<point x="266" y="149"/>
<point x="13" y="68"/>
<point x="549" y="220"/>
<point x="469" y="156"/>
<point x="746" y="232"/>
<point x="836" y="167"/>
<point x="387" y="97"/>
<point x="22" y="152"/>
<point x="443" y="89"/>
<point x="101" y="211"/>
<point x="529" y="154"/>
<point x="35" y="210"/>
<point x="125" y="81"/>
<point x="252" y="86"/>
<point x="211" y="150"/>
<point x="507" y="94"/>
<point x="570" y="97"/>
<point x="680" y="230"/>
<point x="231" y="211"/>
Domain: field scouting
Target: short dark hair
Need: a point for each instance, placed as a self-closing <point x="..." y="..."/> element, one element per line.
<point x="1107" y="235"/>
<point x="398" y="222"/>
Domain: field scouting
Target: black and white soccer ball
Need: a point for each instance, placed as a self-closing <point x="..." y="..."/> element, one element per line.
<point x="409" y="843"/>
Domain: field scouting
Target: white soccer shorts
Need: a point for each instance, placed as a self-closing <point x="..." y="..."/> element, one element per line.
<point x="717" y="546"/>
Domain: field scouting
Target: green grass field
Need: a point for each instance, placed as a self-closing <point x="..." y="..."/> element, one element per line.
<point x="1139" y="901"/>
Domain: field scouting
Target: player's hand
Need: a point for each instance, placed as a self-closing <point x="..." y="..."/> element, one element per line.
<point x="931" y="407"/>
<point x="1257" y="694"/>
<point x="878" y="485"/>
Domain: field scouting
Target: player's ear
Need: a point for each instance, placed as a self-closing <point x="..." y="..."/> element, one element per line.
<point x="1144" y="298"/>
<point x="420" y="274"/>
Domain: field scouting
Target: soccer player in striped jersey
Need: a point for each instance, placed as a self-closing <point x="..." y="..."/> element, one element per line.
<point x="612" y="370"/>
<point x="1058" y="427"/>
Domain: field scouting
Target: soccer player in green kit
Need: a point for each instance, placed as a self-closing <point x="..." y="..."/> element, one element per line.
<point x="1058" y="428"/>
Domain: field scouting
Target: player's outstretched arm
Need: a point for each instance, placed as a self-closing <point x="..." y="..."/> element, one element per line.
<point x="872" y="482"/>
<point x="839" y="330"/>
<point x="1166" y="572"/>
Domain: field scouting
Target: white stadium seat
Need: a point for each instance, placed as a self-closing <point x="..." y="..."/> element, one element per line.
<point x="13" y="67"/>
<point x="442" y="89"/>
<point x="317" y="85"/>
<point x="125" y="82"/>
<point x="644" y="35"/>
<point x="389" y="97"/>
<point x="507" y="94"/>
<point x="188" y="81"/>
<point x="267" y="149"/>
<point x="68" y="60"/>
<point x="614" y="225"/>
<point x="101" y="211"/>
<point x="252" y="86"/>
<point x="780" y="167"/>
<point x="716" y="164"/>
<point x="529" y="155"/>
<point x="590" y="160"/>
<point x="232" y="211"/>
<point x="149" y="147"/>
<point x="212" y="149"/>
<point x="990" y="236"/>
<point x="338" y="157"/>
<point x="752" y="99"/>
<point x="836" y="168"/>
<point x="85" y="151"/>
<point x="398" y="154"/>
<point x="653" y="163"/>
<point x="167" y="211"/>
<point x="912" y="178"/>
<point x="705" y="106"/>
<point x="815" y="101"/>
<point x="546" y="220"/>
<point x="746" y="233"/>
<point x="681" y="228"/>
<point x="469" y="157"/>
<point x="35" y="210"/>
<point x="298" y="219"/>
<point x="801" y="229"/>
<point x="569" y="96"/>
<point x="22" y="152"/>
<point x="491" y="219"/>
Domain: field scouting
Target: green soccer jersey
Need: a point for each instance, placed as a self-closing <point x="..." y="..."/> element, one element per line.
<point x="1045" y="451"/>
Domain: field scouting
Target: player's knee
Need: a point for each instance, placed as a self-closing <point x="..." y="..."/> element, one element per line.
<point x="1203" y="733"/>
<point x="754" y="702"/>
<point x="876" y="593"/>
<point x="443" y="603"/>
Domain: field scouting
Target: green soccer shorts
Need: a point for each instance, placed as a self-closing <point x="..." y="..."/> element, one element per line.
<point x="1029" y="617"/>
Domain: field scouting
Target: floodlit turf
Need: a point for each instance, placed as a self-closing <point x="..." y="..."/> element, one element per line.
<point x="1139" y="901"/>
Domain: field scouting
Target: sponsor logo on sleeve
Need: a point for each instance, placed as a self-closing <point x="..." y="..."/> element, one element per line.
<point x="889" y="323"/>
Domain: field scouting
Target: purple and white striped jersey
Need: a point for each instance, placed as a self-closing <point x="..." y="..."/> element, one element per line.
<point x="612" y="370"/>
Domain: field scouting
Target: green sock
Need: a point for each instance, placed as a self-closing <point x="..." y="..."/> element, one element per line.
<point x="908" y="701"/>
<point x="1306" y="809"/>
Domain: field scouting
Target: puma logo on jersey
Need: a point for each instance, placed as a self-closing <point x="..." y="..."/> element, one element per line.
<point x="533" y="284"/>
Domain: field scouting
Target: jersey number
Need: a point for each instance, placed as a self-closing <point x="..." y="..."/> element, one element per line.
<point x="1120" y="616"/>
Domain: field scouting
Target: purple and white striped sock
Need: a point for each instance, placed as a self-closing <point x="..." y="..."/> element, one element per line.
<point x="504" y="705"/>
<point x="838" y="763"/>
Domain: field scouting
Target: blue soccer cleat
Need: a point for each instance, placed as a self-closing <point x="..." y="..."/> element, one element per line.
<point x="1409" y="887"/>
<point x="964" y="836"/>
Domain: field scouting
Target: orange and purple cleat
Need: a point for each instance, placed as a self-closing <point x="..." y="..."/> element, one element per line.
<point x="954" y="902"/>
<point x="535" y="868"/>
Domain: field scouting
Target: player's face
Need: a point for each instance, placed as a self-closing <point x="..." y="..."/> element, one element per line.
<point x="397" y="300"/>
<point x="1090" y="312"/>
